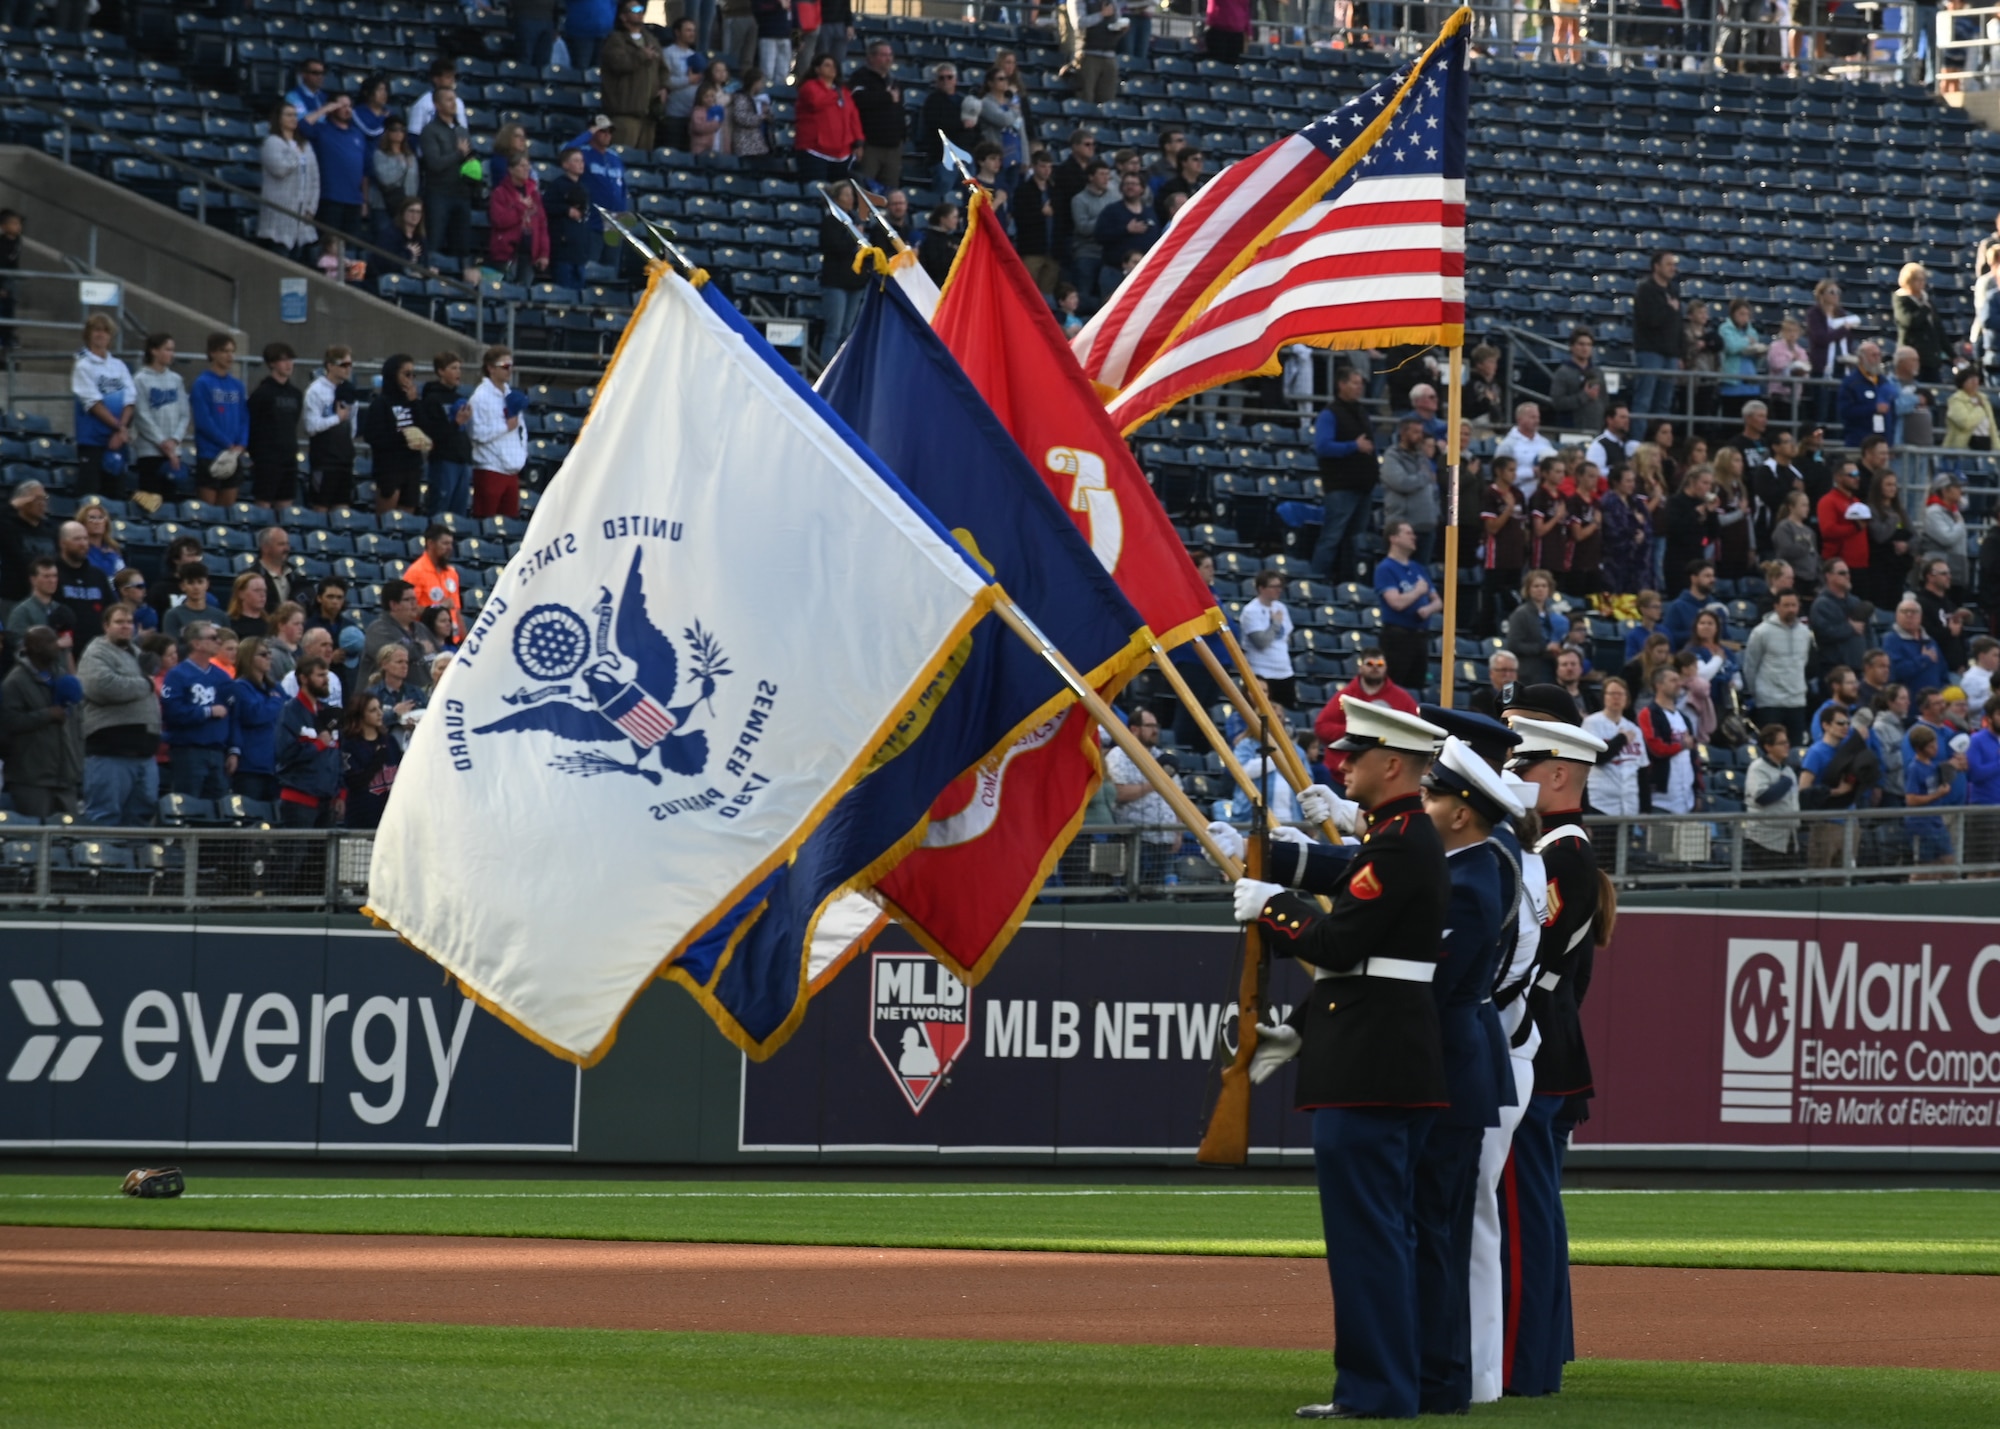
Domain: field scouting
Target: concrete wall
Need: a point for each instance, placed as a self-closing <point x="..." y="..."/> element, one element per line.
<point x="154" y="248"/>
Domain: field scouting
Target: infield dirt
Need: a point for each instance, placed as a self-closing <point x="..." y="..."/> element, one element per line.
<point x="1735" y="1316"/>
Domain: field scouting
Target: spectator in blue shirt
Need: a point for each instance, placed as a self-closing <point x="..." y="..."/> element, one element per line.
<point x="195" y="716"/>
<point x="1867" y="397"/>
<point x="1125" y="228"/>
<point x="253" y="723"/>
<point x="342" y="148"/>
<point x="1914" y="658"/>
<point x="1408" y="602"/>
<point x="603" y="169"/>
<point x="309" y="95"/>
<point x="1982" y="758"/>
<point x="1929" y="780"/>
<point x="1683" y="608"/>
<point x="221" y="419"/>
<point x="1649" y="622"/>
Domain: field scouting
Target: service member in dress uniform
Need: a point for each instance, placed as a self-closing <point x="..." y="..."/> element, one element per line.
<point x="1513" y="1068"/>
<point x="1556" y="756"/>
<point x="1466" y="799"/>
<point x="1371" y="1068"/>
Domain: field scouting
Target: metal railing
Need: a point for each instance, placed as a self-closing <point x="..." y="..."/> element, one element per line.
<point x="1882" y="45"/>
<point x="195" y="869"/>
<point x="183" y="869"/>
<point x="1972" y="62"/>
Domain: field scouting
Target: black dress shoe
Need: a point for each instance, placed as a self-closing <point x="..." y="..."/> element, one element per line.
<point x="1330" y="1411"/>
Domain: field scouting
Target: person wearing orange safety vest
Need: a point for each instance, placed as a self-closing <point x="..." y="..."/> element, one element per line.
<point x="434" y="578"/>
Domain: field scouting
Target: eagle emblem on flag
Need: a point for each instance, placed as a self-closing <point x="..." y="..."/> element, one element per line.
<point x="617" y="687"/>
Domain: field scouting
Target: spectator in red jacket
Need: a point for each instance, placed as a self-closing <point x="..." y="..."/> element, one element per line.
<point x="1841" y="537"/>
<point x="520" y="241"/>
<point x="826" y="128"/>
<point x="1371" y="684"/>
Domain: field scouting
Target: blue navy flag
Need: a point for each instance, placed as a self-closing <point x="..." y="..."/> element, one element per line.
<point x="723" y="610"/>
<point x="999" y="705"/>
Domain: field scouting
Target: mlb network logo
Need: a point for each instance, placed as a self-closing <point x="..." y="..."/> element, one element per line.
<point x="77" y="1008"/>
<point x="920" y="1020"/>
<point x="1759" y="1022"/>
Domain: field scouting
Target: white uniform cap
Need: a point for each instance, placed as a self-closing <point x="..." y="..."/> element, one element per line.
<point x="1371" y="726"/>
<point x="1525" y="794"/>
<point x="1546" y="739"/>
<point x="1459" y="772"/>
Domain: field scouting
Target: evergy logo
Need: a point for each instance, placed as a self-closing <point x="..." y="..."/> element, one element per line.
<point x="40" y="1011"/>
<point x="276" y="1039"/>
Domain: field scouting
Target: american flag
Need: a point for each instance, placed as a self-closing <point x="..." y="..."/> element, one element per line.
<point x="644" y="719"/>
<point x="1367" y="249"/>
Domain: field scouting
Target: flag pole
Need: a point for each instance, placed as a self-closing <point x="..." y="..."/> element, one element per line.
<point x="1012" y="617"/>
<point x="1281" y="737"/>
<point x="1449" y="657"/>
<point x="1294" y="768"/>
<point x="1207" y="726"/>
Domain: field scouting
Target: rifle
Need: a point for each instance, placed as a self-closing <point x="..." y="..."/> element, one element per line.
<point x="1227" y="1139"/>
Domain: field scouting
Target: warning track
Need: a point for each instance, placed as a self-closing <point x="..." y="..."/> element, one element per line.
<point x="1741" y="1316"/>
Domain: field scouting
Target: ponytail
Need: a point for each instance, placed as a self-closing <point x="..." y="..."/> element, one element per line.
<point x="1605" y="919"/>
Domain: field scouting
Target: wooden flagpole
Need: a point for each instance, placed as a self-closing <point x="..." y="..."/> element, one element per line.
<point x="1288" y="761"/>
<point x="1162" y="782"/>
<point x="1207" y="726"/>
<point x="1449" y="656"/>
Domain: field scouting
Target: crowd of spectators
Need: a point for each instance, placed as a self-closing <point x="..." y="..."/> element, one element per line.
<point x="1761" y="584"/>
<point x="252" y="680"/>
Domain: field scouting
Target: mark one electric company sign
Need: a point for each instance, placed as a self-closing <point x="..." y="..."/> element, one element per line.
<point x="1815" y="1035"/>
<point x="258" y="1038"/>
<point x="1767" y="1031"/>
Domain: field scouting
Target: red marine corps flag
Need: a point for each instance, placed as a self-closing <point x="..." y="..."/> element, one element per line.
<point x="952" y="892"/>
<point x="999" y="327"/>
<point x="1348" y="234"/>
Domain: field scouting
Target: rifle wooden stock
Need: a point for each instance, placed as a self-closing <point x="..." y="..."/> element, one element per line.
<point x="1227" y="1140"/>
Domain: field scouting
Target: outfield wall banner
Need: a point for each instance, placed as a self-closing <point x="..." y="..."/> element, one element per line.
<point x="1083" y="1041"/>
<point x="241" y="1037"/>
<point x="1724" y="1030"/>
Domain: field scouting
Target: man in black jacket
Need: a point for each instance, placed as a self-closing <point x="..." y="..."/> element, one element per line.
<point x="943" y="113"/>
<point x="25" y="533"/>
<point x="1371" y="1063"/>
<point x="275" y="409"/>
<point x="1556" y="756"/>
<point x="1034" y="208"/>
<point x="446" y="418"/>
<point x="878" y="101"/>
<point x="1656" y="334"/>
<point x="1348" y="471"/>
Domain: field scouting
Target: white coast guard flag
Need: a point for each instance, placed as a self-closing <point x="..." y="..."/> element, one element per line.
<point x="721" y="608"/>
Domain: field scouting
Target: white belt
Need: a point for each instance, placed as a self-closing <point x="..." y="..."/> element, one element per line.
<point x="1547" y="981"/>
<point x="1398" y="969"/>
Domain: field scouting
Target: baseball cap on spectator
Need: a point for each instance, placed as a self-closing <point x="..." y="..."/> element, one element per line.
<point x="601" y="122"/>
<point x="353" y="640"/>
<point x="1952" y="693"/>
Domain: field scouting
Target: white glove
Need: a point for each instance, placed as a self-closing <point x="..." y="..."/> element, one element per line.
<point x="1227" y="839"/>
<point x="1275" y="1047"/>
<point x="1251" y="896"/>
<point x="1317" y="804"/>
<point x="1286" y="834"/>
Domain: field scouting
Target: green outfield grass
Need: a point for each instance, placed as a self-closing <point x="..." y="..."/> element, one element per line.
<point x="1947" y="1231"/>
<point x="107" y="1369"/>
